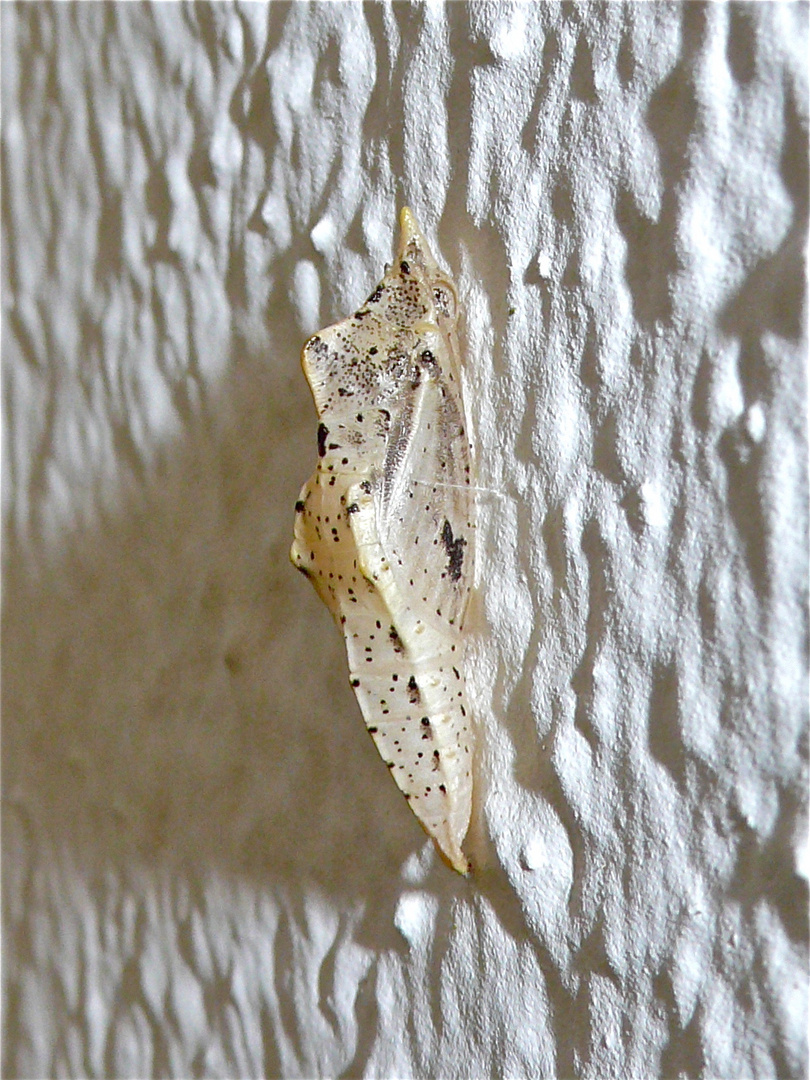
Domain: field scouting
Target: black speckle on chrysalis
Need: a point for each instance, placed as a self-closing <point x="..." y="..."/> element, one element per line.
<point x="454" y="549"/>
<point x="323" y="434"/>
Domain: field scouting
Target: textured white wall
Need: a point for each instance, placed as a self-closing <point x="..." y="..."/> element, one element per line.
<point x="206" y="868"/>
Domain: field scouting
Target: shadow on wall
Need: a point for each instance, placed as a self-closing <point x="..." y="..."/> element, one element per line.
<point x="174" y="692"/>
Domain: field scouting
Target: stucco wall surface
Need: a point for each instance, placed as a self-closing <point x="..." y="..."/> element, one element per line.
<point x="206" y="868"/>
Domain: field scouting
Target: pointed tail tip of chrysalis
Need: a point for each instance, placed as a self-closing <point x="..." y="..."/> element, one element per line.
<point x="408" y="223"/>
<point x="409" y="230"/>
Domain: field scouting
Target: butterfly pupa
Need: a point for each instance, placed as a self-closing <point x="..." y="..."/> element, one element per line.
<point x="385" y="528"/>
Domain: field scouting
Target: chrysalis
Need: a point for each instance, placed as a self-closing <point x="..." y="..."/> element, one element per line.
<point x="385" y="528"/>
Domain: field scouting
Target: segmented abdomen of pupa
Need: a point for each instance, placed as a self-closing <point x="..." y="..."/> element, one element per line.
<point x="385" y="529"/>
<point x="416" y="711"/>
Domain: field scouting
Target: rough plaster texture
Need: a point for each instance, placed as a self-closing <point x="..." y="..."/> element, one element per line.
<point x="206" y="868"/>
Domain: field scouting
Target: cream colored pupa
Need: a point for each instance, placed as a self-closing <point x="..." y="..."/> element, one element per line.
<point x="385" y="528"/>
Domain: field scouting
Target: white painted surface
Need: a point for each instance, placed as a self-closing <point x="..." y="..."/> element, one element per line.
<point x="207" y="870"/>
